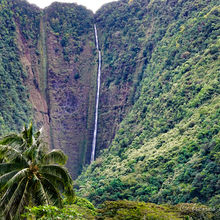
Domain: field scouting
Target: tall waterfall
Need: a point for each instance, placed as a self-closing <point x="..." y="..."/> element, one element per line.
<point x="97" y="96"/>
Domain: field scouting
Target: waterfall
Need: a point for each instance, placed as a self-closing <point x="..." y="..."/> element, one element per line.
<point x="97" y="97"/>
<point x="96" y="38"/>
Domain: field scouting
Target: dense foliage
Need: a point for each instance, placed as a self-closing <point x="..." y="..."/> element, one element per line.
<point x="139" y="210"/>
<point x="30" y="174"/>
<point x="167" y="147"/>
<point x="15" y="107"/>
<point x="159" y="94"/>
<point x="83" y="209"/>
<point x="80" y="209"/>
<point x="70" y="23"/>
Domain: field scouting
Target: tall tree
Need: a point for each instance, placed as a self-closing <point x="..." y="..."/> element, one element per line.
<point x="30" y="174"/>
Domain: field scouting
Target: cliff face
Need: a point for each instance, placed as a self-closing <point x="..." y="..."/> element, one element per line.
<point x="163" y="56"/>
<point x="49" y="66"/>
<point x="120" y="36"/>
<point x="71" y="79"/>
<point x="31" y="52"/>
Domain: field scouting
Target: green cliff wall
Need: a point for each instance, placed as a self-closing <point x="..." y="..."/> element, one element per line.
<point x="48" y="66"/>
<point x="159" y="101"/>
<point x="72" y="70"/>
<point x="166" y="147"/>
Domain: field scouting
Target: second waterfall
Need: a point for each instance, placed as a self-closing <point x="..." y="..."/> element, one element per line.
<point x="97" y="96"/>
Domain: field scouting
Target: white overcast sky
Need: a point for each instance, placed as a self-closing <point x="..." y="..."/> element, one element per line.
<point x="91" y="4"/>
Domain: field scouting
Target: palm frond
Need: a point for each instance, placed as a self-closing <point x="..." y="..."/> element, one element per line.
<point x="11" y="139"/>
<point x="23" y="201"/>
<point x="40" y="196"/>
<point x="9" y="152"/>
<point x="11" y="206"/>
<point x="8" y="167"/>
<point x="41" y="151"/>
<point x="55" y="180"/>
<point x="38" y="133"/>
<point x="5" y="178"/>
<point x="30" y="153"/>
<point x="62" y="173"/>
<point x="69" y="193"/>
<point x="55" y="157"/>
<point x="27" y="135"/>
<point x="6" y="197"/>
<point x="18" y="176"/>
<point x="57" y="170"/>
<point x="53" y="194"/>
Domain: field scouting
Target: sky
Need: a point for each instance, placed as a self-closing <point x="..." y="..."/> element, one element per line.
<point x="90" y="4"/>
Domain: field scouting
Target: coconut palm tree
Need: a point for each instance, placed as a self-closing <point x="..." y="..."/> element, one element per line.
<point x="30" y="174"/>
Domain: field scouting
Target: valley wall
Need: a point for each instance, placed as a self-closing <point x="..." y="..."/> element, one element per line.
<point x="56" y="54"/>
<point x="158" y="124"/>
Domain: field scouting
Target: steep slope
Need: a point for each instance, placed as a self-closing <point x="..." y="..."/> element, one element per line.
<point x="14" y="102"/>
<point x="48" y="66"/>
<point x="167" y="146"/>
<point x="122" y="66"/>
<point x="30" y="44"/>
<point x="72" y="70"/>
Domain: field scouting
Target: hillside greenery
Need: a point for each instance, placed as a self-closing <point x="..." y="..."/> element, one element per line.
<point x="159" y="110"/>
<point x="80" y="209"/>
<point x="34" y="184"/>
<point x="130" y="210"/>
<point x="166" y="150"/>
<point x="70" y="23"/>
<point x="15" y="108"/>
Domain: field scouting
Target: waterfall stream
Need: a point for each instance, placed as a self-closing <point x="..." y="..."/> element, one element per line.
<point x="97" y="97"/>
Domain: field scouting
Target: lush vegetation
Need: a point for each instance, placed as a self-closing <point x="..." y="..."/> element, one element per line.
<point x="160" y="95"/>
<point x="30" y="175"/>
<point x="33" y="182"/>
<point x="80" y="209"/>
<point x="83" y="209"/>
<point x="139" y="210"/>
<point x="70" y="23"/>
<point x="15" y="107"/>
<point x="167" y="147"/>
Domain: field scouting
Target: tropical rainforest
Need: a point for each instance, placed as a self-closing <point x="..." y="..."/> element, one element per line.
<point x="158" y="143"/>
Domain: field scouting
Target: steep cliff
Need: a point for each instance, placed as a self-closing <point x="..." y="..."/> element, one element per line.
<point x="14" y="102"/>
<point x="122" y="67"/>
<point x="166" y="149"/>
<point x="71" y="80"/>
<point x="48" y="74"/>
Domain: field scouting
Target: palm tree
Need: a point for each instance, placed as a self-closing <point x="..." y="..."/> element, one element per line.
<point x="30" y="174"/>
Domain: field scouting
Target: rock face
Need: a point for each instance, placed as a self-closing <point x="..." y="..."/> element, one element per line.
<point x="71" y="77"/>
<point x="29" y="42"/>
<point x="56" y="53"/>
<point x="122" y="68"/>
